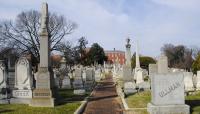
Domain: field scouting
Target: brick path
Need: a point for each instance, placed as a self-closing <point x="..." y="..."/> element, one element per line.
<point x="104" y="99"/>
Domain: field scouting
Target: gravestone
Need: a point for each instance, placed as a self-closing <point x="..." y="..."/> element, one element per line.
<point x="3" y="78"/>
<point x="153" y="69"/>
<point x="23" y="79"/>
<point x="97" y="75"/>
<point x="66" y="83"/>
<point x="89" y="78"/>
<point x="129" y="88"/>
<point x="78" y="80"/>
<point x="198" y="81"/>
<point x="188" y="82"/>
<point x="167" y="91"/>
<point x="42" y="94"/>
<point x="89" y="74"/>
<point x="139" y="77"/>
<point x="162" y="64"/>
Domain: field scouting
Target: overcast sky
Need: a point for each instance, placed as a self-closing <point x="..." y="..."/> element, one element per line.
<point x="109" y="22"/>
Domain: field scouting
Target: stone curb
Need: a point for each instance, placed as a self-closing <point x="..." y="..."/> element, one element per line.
<point x="81" y="107"/>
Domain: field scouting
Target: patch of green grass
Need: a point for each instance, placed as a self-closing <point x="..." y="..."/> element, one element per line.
<point x="193" y="97"/>
<point x="196" y="110"/>
<point x="194" y="102"/>
<point x="139" y="100"/>
<point x="67" y="108"/>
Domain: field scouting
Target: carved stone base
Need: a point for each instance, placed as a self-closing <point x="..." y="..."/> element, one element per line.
<point x="168" y="109"/>
<point x="42" y="98"/>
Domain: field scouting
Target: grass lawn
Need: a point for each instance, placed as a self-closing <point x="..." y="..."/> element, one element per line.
<point x="194" y="102"/>
<point x="139" y="100"/>
<point x="69" y="103"/>
<point x="67" y="108"/>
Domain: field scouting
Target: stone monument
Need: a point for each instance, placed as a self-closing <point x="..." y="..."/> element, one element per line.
<point x="127" y="72"/>
<point x="167" y="91"/>
<point x="23" y="79"/>
<point x="42" y="95"/>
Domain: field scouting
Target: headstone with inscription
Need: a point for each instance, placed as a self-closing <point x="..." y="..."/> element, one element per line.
<point x="23" y="79"/>
<point x="167" y="92"/>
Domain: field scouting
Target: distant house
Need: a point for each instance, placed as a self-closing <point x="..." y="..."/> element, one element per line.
<point x="115" y="56"/>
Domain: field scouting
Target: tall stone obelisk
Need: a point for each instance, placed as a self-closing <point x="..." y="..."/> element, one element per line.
<point x="42" y="95"/>
<point x="137" y="66"/>
<point x="128" y="53"/>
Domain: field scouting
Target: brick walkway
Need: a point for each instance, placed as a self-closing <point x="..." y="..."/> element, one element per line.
<point x="104" y="99"/>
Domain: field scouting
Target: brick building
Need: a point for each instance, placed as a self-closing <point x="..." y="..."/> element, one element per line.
<point x="116" y="56"/>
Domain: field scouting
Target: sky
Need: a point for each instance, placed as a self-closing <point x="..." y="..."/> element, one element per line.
<point x="152" y="23"/>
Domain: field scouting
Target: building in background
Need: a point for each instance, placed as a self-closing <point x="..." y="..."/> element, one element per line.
<point x="115" y="56"/>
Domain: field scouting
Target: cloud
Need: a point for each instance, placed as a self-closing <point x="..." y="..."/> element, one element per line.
<point x="109" y="23"/>
<point x="181" y="4"/>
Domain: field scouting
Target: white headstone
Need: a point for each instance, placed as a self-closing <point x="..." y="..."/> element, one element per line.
<point x="66" y="83"/>
<point x="23" y="74"/>
<point x="129" y="88"/>
<point x="167" y="91"/>
<point x="188" y="82"/>
<point x="139" y="77"/>
<point x="198" y="80"/>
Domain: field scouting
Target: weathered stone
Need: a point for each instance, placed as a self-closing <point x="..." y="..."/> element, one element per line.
<point x="42" y="95"/>
<point x="167" y="92"/>
<point x="79" y="92"/>
<point x="168" y="109"/>
<point x="188" y="82"/>
<point x="162" y="64"/>
<point x="129" y="88"/>
<point x="127" y="74"/>
<point x="66" y="83"/>
<point x="23" y="74"/>
<point x="198" y="80"/>
<point x="153" y="69"/>
<point x="139" y="77"/>
<point x="22" y="93"/>
<point x="167" y="89"/>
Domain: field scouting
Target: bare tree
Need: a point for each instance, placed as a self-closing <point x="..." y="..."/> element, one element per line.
<point x="23" y="33"/>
